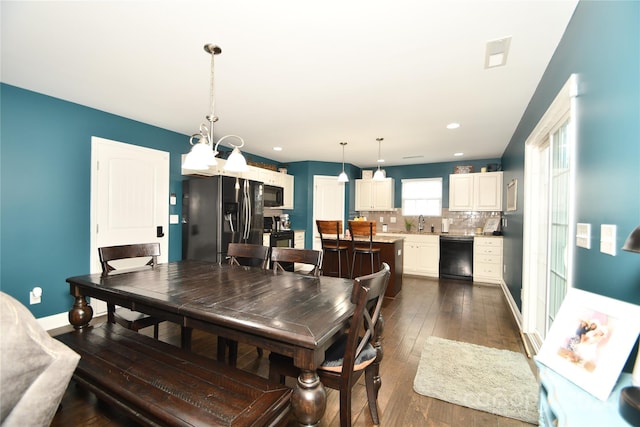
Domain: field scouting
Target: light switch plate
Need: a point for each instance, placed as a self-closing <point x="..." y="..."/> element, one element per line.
<point x="583" y="235"/>
<point x="608" y="239"/>
<point x="174" y="219"/>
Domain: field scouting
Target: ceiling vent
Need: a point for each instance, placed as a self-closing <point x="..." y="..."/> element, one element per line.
<point x="497" y="52"/>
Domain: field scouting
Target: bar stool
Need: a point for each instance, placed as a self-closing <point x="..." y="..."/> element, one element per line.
<point x="361" y="248"/>
<point x="328" y="229"/>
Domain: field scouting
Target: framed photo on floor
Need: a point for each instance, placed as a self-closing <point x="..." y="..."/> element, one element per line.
<point x="590" y="340"/>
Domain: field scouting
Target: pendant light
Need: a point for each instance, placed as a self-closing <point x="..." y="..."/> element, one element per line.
<point x="343" y="175"/>
<point x="380" y="174"/>
<point x="203" y="153"/>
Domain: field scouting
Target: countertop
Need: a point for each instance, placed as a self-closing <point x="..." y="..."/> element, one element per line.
<point x="436" y="233"/>
<point x="377" y="238"/>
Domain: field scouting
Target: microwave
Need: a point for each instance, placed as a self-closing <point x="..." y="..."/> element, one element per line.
<point x="273" y="196"/>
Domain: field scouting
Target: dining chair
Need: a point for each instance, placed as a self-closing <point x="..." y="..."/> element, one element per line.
<point x="330" y="231"/>
<point x="358" y="351"/>
<point x="302" y="256"/>
<point x="362" y="233"/>
<point x="256" y="255"/>
<point x="123" y="316"/>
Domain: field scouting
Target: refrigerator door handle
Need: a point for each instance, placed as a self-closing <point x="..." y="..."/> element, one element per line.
<point x="246" y="210"/>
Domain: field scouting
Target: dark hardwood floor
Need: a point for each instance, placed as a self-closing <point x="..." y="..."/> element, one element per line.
<point x="451" y="309"/>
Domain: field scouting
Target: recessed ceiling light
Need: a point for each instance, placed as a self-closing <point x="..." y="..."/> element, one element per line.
<point x="453" y="125"/>
<point x="458" y="154"/>
<point x="277" y="148"/>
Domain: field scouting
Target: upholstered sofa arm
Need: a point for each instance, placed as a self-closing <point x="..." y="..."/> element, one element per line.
<point x="35" y="369"/>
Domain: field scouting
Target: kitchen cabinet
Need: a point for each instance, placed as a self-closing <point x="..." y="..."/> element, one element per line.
<point x="391" y="252"/>
<point x="287" y="184"/>
<point x="421" y="254"/>
<point x="487" y="259"/>
<point x="475" y="191"/>
<point x="374" y="195"/>
<point x="253" y="173"/>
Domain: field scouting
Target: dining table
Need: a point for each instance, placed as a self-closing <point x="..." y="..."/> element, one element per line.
<point x="289" y="313"/>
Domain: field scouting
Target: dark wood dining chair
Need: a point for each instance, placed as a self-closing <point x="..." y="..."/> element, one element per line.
<point x="123" y="316"/>
<point x="256" y="255"/>
<point x="302" y="256"/>
<point x="330" y="231"/>
<point x="357" y="352"/>
<point x="362" y="233"/>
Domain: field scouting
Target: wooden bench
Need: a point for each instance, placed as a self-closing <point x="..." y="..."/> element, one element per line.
<point x="158" y="384"/>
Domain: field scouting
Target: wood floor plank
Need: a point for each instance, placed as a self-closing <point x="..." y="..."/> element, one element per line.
<point x="451" y="309"/>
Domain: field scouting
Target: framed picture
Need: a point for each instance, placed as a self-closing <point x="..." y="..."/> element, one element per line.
<point x="512" y="195"/>
<point x="590" y="340"/>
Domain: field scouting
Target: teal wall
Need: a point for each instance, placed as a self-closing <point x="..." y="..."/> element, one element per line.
<point x="45" y="176"/>
<point x="602" y="45"/>
<point x="45" y="202"/>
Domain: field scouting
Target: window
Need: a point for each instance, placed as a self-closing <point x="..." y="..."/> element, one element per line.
<point x="422" y="196"/>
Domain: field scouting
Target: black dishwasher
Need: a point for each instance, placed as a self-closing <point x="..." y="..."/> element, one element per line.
<point x="456" y="257"/>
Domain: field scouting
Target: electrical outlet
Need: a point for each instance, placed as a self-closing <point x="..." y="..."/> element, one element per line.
<point x="381" y="219"/>
<point x="35" y="295"/>
<point x="393" y="219"/>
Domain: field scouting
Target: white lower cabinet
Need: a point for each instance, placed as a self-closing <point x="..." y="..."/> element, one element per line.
<point x="487" y="259"/>
<point x="421" y="254"/>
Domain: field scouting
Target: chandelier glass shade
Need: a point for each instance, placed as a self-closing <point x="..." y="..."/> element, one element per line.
<point x="203" y="151"/>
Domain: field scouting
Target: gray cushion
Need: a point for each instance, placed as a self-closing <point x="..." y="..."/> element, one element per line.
<point x="333" y="357"/>
<point x="35" y="369"/>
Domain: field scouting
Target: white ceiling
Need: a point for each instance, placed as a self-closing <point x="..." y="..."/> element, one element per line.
<point x="302" y="75"/>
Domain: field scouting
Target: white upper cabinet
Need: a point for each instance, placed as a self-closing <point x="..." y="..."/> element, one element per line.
<point x="374" y="195"/>
<point x="287" y="185"/>
<point x="253" y="173"/>
<point x="475" y="191"/>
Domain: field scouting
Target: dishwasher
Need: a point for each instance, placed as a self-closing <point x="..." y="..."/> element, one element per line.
<point x="456" y="257"/>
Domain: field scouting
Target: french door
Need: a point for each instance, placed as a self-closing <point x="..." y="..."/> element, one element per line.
<point x="549" y="211"/>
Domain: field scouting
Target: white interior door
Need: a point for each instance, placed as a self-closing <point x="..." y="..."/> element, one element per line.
<point x="328" y="203"/>
<point x="129" y="199"/>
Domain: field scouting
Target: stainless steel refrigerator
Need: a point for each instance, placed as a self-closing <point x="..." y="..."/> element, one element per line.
<point x="219" y="210"/>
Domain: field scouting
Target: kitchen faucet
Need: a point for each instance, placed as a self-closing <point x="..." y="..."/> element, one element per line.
<point x="420" y="223"/>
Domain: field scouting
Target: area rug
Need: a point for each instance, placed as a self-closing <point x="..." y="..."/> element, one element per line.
<point x="496" y="381"/>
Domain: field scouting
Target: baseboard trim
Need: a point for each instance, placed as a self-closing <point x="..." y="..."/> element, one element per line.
<point x="512" y="304"/>
<point x="55" y="321"/>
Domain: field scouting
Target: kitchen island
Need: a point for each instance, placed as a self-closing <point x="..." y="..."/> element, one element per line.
<point x="391" y="252"/>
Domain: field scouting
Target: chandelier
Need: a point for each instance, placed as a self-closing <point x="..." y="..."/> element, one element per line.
<point x="203" y="152"/>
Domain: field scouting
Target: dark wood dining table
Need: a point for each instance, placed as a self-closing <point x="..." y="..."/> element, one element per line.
<point x="288" y="313"/>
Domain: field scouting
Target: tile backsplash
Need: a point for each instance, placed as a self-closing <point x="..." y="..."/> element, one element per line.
<point x="459" y="222"/>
